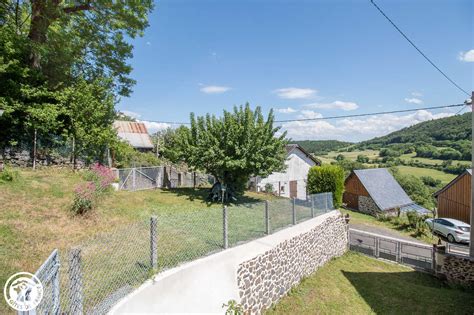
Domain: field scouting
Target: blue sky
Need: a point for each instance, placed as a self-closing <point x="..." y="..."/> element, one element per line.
<point x="304" y="59"/>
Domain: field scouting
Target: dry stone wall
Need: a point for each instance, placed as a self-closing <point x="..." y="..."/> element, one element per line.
<point x="264" y="279"/>
<point x="367" y="205"/>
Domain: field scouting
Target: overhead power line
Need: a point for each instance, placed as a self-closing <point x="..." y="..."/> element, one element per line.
<point x="418" y="49"/>
<point x="333" y="117"/>
<point x="372" y="114"/>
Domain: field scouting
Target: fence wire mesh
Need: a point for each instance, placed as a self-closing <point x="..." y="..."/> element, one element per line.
<point x="105" y="268"/>
<point x="141" y="178"/>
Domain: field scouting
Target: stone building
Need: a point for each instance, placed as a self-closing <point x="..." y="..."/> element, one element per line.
<point x="375" y="191"/>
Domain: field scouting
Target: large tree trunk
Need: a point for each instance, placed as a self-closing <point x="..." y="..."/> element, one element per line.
<point x="41" y="18"/>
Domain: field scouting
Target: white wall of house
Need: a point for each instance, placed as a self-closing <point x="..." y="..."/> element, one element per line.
<point x="298" y="165"/>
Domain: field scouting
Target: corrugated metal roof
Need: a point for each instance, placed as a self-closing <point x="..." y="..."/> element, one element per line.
<point x="383" y="188"/>
<point x="415" y="207"/>
<point x="134" y="133"/>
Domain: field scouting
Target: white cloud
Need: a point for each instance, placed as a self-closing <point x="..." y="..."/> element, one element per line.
<point x="467" y="56"/>
<point x="416" y="94"/>
<point x="154" y="126"/>
<point x="414" y="100"/>
<point x="287" y="110"/>
<point x="356" y="129"/>
<point x="214" y="89"/>
<point x="334" y="105"/>
<point x="295" y="93"/>
<point x="309" y="114"/>
<point x="131" y="114"/>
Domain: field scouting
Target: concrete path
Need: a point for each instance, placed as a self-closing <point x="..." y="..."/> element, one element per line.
<point x="202" y="286"/>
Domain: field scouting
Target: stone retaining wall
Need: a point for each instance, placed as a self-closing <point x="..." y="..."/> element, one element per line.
<point x="456" y="269"/>
<point x="23" y="158"/>
<point x="264" y="279"/>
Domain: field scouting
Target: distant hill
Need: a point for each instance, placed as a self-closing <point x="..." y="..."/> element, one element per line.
<point x="437" y="132"/>
<point x="322" y="146"/>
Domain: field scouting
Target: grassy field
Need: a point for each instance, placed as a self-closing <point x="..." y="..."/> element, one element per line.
<point x="356" y="284"/>
<point x="419" y="172"/>
<point x="372" y="154"/>
<point x="35" y="218"/>
<point x="412" y="157"/>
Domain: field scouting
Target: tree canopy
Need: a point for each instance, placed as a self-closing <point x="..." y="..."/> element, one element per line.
<point x="234" y="147"/>
<point x="63" y="65"/>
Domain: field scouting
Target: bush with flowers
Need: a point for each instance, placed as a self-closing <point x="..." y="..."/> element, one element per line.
<point x="98" y="181"/>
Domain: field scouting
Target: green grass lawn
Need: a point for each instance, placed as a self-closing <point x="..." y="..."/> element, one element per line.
<point x="418" y="172"/>
<point x="357" y="284"/>
<point x="35" y="218"/>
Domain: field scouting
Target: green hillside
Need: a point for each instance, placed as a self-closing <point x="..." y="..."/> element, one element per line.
<point x="322" y="146"/>
<point x="437" y="132"/>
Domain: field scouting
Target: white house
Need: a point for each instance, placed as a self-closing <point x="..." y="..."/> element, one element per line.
<point x="291" y="182"/>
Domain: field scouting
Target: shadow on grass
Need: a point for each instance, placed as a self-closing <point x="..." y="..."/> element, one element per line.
<point x="201" y="194"/>
<point x="409" y="293"/>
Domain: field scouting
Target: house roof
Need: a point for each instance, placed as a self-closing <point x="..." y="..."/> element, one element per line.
<point x="293" y="146"/>
<point x="383" y="188"/>
<point x="134" y="133"/>
<point x="451" y="183"/>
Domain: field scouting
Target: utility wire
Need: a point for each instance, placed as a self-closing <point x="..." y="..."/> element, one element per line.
<point x="333" y="117"/>
<point x="418" y="49"/>
<point x="372" y="114"/>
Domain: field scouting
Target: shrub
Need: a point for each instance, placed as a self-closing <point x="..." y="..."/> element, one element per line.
<point x="268" y="188"/>
<point x="361" y="158"/>
<point x="327" y="178"/>
<point x="98" y="180"/>
<point x="101" y="176"/>
<point x="8" y="175"/>
<point x="84" y="197"/>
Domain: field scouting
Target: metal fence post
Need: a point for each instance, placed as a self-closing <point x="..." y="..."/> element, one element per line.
<point x="224" y="223"/>
<point x="399" y="252"/>
<point x="377" y="247"/>
<point x="56" y="286"/>
<point x="267" y="218"/>
<point x="312" y="205"/>
<point x="294" y="210"/>
<point x="134" y="182"/>
<point x="75" y="281"/>
<point x="154" y="242"/>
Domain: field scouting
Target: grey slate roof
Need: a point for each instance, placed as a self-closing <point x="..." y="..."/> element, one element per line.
<point x="383" y="188"/>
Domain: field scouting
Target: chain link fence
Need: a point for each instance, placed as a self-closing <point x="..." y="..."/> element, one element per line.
<point x="141" y="178"/>
<point x="105" y="268"/>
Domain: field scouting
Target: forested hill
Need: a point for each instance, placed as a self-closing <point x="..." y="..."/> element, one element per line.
<point x="438" y="132"/>
<point x="321" y="146"/>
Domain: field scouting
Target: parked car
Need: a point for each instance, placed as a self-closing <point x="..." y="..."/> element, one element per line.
<point x="453" y="230"/>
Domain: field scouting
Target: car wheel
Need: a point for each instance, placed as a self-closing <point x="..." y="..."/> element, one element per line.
<point x="451" y="238"/>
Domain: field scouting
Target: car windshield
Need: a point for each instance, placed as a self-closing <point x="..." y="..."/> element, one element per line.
<point x="465" y="228"/>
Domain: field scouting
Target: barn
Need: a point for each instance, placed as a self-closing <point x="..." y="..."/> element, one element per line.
<point x="454" y="199"/>
<point x="292" y="182"/>
<point x="135" y="133"/>
<point x="375" y="191"/>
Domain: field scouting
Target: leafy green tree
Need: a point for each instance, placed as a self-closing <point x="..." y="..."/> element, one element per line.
<point x="361" y="158"/>
<point x="234" y="147"/>
<point x="67" y="39"/>
<point x="327" y="178"/>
